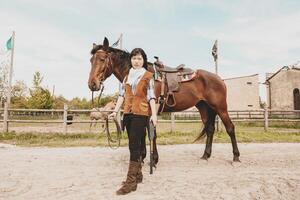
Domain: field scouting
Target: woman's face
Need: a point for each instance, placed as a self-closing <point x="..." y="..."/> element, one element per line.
<point x="137" y="61"/>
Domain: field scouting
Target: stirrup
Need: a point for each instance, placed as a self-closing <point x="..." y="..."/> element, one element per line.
<point x="167" y="100"/>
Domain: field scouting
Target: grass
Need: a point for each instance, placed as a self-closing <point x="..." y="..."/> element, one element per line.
<point x="164" y="138"/>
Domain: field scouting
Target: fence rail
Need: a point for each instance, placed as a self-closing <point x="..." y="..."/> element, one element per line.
<point x="261" y="115"/>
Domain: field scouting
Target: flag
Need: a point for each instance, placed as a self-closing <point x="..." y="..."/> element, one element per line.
<point x="117" y="42"/>
<point x="9" y="44"/>
<point x="214" y="50"/>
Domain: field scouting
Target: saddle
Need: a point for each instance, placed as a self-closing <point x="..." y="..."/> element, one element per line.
<point x="171" y="77"/>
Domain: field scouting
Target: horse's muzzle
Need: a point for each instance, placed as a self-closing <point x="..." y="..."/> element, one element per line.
<point x="94" y="86"/>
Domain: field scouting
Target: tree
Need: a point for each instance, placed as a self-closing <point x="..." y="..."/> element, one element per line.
<point x="19" y="93"/>
<point x="37" y="79"/>
<point x="59" y="102"/>
<point x="77" y="103"/>
<point x="19" y="89"/>
<point x="40" y="98"/>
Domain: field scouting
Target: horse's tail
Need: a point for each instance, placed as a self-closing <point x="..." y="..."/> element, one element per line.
<point x="201" y="135"/>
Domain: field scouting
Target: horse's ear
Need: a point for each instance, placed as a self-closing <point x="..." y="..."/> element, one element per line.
<point x="105" y="44"/>
<point x="94" y="45"/>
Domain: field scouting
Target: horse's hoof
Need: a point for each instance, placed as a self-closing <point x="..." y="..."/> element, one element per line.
<point x="155" y="158"/>
<point x="205" y="157"/>
<point x="236" y="159"/>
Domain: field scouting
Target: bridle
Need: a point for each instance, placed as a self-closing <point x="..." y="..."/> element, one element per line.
<point x="108" y="70"/>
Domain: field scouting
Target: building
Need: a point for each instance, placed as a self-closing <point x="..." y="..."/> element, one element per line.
<point x="243" y="93"/>
<point x="283" y="88"/>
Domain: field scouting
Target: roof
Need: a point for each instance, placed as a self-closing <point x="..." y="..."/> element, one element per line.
<point x="240" y="77"/>
<point x="290" y="67"/>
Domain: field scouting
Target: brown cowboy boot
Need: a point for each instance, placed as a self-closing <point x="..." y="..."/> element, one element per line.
<point x="130" y="183"/>
<point x="139" y="176"/>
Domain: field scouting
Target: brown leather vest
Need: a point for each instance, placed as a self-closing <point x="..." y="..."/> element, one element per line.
<point x="137" y="103"/>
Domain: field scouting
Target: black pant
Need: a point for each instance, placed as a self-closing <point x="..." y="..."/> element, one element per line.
<point x="136" y="129"/>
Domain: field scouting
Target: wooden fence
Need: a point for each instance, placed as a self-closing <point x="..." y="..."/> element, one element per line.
<point x="66" y="116"/>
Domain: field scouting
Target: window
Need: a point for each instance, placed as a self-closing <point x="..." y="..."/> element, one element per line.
<point x="296" y="99"/>
<point x="249" y="83"/>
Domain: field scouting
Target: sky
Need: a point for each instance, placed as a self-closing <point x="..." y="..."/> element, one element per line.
<point x="55" y="37"/>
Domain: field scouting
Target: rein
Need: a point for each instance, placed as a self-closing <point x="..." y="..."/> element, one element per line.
<point x="99" y="97"/>
<point x="110" y="141"/>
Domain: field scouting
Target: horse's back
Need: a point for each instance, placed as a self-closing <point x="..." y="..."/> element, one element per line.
<point x="211" y="80"/>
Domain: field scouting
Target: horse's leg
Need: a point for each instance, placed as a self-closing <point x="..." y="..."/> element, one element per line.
<point x="208" y="116"/>
<point x="91" y="126"/>
<point x="230" y="130"/>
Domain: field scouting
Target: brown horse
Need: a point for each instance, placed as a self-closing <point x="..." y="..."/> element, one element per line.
<point x="206" y="91"/>
<point x="100" y="113"/>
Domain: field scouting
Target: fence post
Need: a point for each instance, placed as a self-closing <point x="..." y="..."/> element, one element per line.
<point x="5" y="117"/>
<point x="218" y="123"/>
<point x="65" y="119"/>
<point x="172" y="122"/>
<point x="266" y="117"/>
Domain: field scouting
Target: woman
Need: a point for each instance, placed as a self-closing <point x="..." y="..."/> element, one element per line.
<point x="137" y="92"/>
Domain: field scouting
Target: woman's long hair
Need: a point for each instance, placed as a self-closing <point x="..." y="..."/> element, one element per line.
<point x="139" y="51"/>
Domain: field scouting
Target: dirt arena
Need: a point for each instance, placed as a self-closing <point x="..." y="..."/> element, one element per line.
<point x="267" y="171"/>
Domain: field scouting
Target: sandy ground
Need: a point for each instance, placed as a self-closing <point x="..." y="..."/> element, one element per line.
<point x="267" y="171"/>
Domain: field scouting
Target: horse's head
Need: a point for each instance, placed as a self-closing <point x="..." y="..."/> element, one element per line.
<point x="101" y="66"/>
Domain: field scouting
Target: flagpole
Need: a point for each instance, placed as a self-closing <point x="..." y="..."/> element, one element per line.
<point x="11" y="69"/>
<point x="121" y="41"/>
<point x="216" y="60"/>
<point x="216" y="66"/>
<point x="215" y="55"/>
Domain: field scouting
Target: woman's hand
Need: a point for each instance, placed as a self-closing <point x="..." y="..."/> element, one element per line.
<point x="117" y="107"/>
<point x="153" y="118"/>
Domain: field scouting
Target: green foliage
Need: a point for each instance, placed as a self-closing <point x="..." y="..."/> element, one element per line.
<point x="19" y="102"/>
<point x="40" y="98"/>
<point x="105" y="100"/>
<point x="59" y="102"/>
<point x="37" y="79"/>
<point x="19" y="89"/>
<point x="19" y="92"/>
<point x="164" y="138"/>
<point x="77" y="103"/>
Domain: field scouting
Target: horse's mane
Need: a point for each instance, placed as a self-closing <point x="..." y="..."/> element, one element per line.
<point x="110" y="49"/>
<point x="122" y="55"/>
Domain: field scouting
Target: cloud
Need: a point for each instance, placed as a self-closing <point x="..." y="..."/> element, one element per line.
<point x="55" y="38"/>
<point x="52" y="51"/>
<point x="258" y="41"/>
